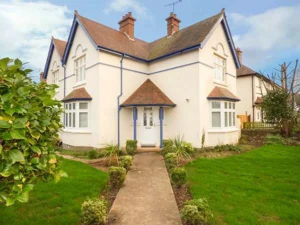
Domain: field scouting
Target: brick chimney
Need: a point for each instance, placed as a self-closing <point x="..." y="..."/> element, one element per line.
<point x="42" y="77"/>
<point x="127" y="25"/>
<point x="172" y="24"/>
<point x="240" y="55"/>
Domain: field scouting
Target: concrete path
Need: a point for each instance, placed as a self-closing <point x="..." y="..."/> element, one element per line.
<point x="147" y="197"/>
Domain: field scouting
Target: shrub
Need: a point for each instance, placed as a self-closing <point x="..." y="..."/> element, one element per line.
<point x="178" y="176"/>
<point x="227" y="147"/>
<point x="30" y="120"/>
<point x="291" y="142"/>
<point x="111" y="153"/>
<point x="126" y="161"/>
<point x="171" y="160"/>
<point x="196" y="212"/>
<point x="274" y="139"/>
<point x="243" y="139"/>
<point x="191" y="215"/>
<point x="116" y="176"/>
<point x="93" y="154"/>
<point x="181" y="148"/>
<point x="131" y="146"/>
<point x="167" y="147"/>
<point x="94" y="212"/>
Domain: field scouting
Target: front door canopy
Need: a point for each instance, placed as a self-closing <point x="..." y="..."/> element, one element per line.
<point x="148" y="94"/>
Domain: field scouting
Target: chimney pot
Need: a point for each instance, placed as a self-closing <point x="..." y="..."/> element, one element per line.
<point x="127" y="25"/>
<point x="172" y="24"/>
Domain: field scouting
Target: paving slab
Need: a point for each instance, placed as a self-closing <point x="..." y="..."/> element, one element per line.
<point x="146" y="197"/>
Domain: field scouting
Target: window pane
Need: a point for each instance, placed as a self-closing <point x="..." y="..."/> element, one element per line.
<point x="66" y="120"/>
<point x="83" y="105"/>
<point x="83" y="119"/>
<point x="70" y="119"/>
<point x="216" y="105"/>
<point x="233" y="105"/>
<point x="74" y="105"/>
<point x="233" y="118"/>
<point x="145" y="119"/>
<point x="230" y="119"/>
<point x="229" y="105"/>
<point x="226" y="119"/>
<point x="216" y="119"/>
<point x="225" y="103"/>
<point x="70" y="106"/>
<point x="74" y="121"/>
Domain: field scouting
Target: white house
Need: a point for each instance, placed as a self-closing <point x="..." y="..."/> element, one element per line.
<point x="116" y="87"/>
<point x="251" y="87"/>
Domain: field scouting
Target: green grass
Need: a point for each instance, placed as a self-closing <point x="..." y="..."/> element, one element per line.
<point x="58" y="203"/>
<point x="259" y="187"/>
<point x="76" y="153"/>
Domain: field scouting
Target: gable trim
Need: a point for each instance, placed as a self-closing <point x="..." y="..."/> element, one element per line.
<point x="49" y="57"/>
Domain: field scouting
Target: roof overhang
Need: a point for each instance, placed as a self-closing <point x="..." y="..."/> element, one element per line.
<point x="145" y="105"/>
<point x="50" y="53"/>
<point x="224" y="99"/>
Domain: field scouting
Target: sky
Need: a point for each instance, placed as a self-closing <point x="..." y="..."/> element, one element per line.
<point x="267" y="31"/>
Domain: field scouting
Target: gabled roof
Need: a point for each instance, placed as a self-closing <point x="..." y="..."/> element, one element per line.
<point x="60" y="46"/>
<point x="107" y="38"/>
<point x="219" y="93"/>
<point x="148" y="94"/>
<point x="258" y="100"/>
<point x="244" y="70"/>
<point x="79" y="94"/>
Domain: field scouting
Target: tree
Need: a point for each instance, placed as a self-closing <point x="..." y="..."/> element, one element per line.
<point x="279" y="104"/>
<point x="29" y="126"/>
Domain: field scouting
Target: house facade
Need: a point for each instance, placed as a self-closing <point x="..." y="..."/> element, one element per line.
<point x="116" y="87"/>
<point x="251" y="87"/>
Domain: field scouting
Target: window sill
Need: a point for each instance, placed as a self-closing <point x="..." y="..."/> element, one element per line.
<point x="223" y="130"/>
<point x="74" y="131"/>
<point x="79" y="84"/>
<point x="220" y="83"/>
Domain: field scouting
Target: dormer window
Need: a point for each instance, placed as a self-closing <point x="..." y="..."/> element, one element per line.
<point x="220" y="64"/>
<point x="55" y="76"/>
<point x="80" y="69"/>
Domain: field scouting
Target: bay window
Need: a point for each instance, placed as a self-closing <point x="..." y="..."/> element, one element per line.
<point x="80" y="69"/>
<point x="76" y="115"/>
<point x="223" y="114"/>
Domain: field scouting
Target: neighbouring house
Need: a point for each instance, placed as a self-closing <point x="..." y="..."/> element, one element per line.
<point x="251" y="87"/>
<point x="116" y="87"/>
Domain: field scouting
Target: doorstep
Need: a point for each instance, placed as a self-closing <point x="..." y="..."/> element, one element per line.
<point x="147" y="149"/>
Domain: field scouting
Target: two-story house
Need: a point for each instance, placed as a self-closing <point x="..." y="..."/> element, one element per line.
<point x="117" y="87"/>
<point x="251" y="87"/>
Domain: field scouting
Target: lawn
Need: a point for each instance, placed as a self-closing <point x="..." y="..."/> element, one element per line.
<point x="59" y="203"/>
<point x="258" y="187"/>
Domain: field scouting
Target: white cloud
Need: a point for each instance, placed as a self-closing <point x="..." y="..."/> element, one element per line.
<point x="125" y="5"/>
<point x="263" y="36"/>
<point x="27" y="28"/>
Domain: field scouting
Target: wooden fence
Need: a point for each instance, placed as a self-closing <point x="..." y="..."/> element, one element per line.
<point x="258" y="125"/>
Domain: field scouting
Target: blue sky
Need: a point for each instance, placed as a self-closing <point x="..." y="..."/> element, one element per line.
<point x="267" y="30"/>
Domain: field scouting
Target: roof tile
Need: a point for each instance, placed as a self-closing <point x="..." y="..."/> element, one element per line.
<point x="222" y="94"/>
<point x="77" y="94"/>
<point x="148" y="94"/>
<point x="60" y="46"/>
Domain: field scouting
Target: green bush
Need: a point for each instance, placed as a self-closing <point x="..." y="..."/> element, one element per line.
<point x="188" y="148"/>
<point x="191" y="215"/>
<point x="181" y="148"/>
<point x="93" y="154"/>
<point x="274" y="139"/>
<point x="131" y="147"/>
<point x="291" y="142"/>
<point x="178" y="176"/>
<point x="94" y="212"/>
<point x="171" y="160"/>
<point x="30" y="120"/>
<point x="126" y="161"/>
<point x="243" y="139"/>
<point x="111" y="153"/>
<point x="116" y="176"/>
<point x="167" y="147"/>
<point x="227" y="147"/>
<point x="196" y="211"/>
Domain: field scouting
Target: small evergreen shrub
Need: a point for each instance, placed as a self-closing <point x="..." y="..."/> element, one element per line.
<point x="227" y="147"/>
<point x="243" y="139"/>
<point x="274" y="139"/>
<point x="196" y="212"/>
<point x="126" y="161"/>
<point x="93" y="154"/>
<point x="178" y="176"/>
<point x="94" y="212"/>
<point x="188" y="147"/>
<point x="171" y="160"/>
<point x="167" y="147"/>
<point x="131" y="146"/>
<point x="116" y="176"/>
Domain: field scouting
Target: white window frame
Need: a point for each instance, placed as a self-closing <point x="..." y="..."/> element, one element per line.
<point x="227" y="113"/>
<point x="77" y="68"/>
<point x="219" y="67"/>
<point x="55" y="77"/>
<point x="70" y="112"/>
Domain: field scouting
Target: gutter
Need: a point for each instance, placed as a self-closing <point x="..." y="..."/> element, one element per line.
<point x="119" y="96"/>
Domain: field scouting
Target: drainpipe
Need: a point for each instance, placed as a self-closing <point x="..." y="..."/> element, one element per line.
<point x="64" y="66"/>
<point x="119" y="96"/>
<point x="253" y="98"/>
